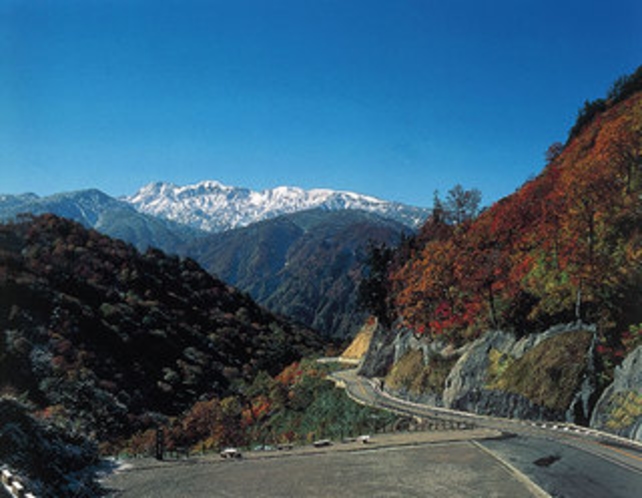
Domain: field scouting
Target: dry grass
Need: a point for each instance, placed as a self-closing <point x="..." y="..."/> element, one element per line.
<point x="498" y="363"/>
<point x="359" y="346"/>
<point x="624" y="409"/>
<point x="549" y="374"/>
<point x="411" y="374"/>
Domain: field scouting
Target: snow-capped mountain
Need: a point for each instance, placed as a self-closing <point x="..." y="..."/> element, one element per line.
<point x="215" y="207"/>
<point x="83" y="206"/>
<point x="95" y="209"/>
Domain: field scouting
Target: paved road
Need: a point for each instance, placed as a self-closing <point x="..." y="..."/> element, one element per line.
<point x="568" y="471"/>
<point x="562" y="461"/>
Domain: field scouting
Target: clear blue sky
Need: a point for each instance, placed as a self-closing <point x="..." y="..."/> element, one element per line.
<point x="390" y="98"/>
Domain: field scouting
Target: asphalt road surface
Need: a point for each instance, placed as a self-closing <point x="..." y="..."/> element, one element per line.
<point x="561" y="459"/>
<point x="567" y="471"/>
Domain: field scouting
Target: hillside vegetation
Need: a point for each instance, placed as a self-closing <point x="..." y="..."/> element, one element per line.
<point x="306" y="265"/>
<point x="55" y="462"/>
<point x="525" y="309"/>
<point x="297" y="406"/>
<point x="105" y="346"/>
<point x="107" y="340"/>
<point x="566" y="246"/>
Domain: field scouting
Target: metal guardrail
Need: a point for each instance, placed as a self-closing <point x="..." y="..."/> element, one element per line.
<point x="413" y="421"/>
<point x="425" y="422"/>
<point x="384" y="399"/>
<point x="13" y="485"/>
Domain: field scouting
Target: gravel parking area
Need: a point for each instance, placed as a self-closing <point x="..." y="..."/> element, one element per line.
<point x="445" y="464"/>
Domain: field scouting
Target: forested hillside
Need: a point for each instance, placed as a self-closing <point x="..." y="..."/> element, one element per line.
<point x="106" y="340"/>
<point x="566" y="246"/>
<point x="306" y="266"/>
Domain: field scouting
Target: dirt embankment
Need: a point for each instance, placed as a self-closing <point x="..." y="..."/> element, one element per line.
<point x="359" y="346"/>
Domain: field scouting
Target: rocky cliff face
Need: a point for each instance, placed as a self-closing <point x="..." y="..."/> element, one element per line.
<point x="619" y="409"/>
<point x="542" y="376"/>
<point x="381" y="353"/>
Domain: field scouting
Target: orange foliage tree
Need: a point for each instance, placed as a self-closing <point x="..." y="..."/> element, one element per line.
<point x="567" y="245"/>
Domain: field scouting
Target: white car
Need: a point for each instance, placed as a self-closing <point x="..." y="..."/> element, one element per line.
<point x="231" y="453"/>
<point x="322" y="443"/>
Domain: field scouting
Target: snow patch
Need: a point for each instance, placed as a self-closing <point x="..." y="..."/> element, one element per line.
<point x="215" y="207"/>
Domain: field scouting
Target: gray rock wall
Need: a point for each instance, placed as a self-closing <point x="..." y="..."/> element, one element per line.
<point x="381" y="354"/>
<point x="467" y="385"/>
<point x="619" y="409"/>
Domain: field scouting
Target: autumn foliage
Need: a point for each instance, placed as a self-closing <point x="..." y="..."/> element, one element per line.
<point x="296" y="406"/>
<point x="566" y="246"/>
<point x="108" y="341"/>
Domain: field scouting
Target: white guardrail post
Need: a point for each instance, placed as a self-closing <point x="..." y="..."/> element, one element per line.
<point x="13" y="485"/>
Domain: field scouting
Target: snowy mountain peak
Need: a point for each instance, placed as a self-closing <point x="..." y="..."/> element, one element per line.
<point x="215" y="207"/>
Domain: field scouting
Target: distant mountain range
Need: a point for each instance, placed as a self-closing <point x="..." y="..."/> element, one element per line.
<point x="299" y="253"/>
<point x="159" y="211"/>
<point x="305" y="265"/>
<point x="95" y="209"/>
<point x="214" y="207"/>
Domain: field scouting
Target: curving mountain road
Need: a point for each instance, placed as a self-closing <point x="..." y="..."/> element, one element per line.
<point x="529" y="460"/>
<point x="564" y="460"/>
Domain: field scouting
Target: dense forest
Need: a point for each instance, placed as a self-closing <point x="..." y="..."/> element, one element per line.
<point x="102" y="337"/>
<point x="297" y="406"/>
<point x="566" y="246"/>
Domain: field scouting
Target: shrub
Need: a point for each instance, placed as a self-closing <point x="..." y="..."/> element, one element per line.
<point x="57" y="463"/>
<point x="550" y="373"/>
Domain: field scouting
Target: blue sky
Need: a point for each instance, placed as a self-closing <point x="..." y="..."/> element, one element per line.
<point x="390" y="98"/>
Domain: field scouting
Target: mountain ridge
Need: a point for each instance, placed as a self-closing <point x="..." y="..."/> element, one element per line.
<point x="245" y="257"/>
<point x="212" y="206"/>
<point x="305" y="265"/>
<point x="95" y="209"/>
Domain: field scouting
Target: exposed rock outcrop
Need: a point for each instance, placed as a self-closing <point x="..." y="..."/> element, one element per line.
<point x="547" y="376"/>
<point x="469" y="374"/>
<point x="381" y="353"/>
<point x="541" y="376"/>
<point x="619" y="409"/>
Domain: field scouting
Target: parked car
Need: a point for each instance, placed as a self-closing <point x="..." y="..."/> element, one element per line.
<point x="322" y="442"/>
<point x="231" y="453"/>
<point x="264" y="447"/>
